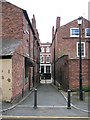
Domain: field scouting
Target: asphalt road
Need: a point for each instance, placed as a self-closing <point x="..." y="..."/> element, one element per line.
<point x="50" y="102"/>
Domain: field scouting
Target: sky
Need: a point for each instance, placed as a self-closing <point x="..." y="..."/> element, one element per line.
<point x="46" y="11"/>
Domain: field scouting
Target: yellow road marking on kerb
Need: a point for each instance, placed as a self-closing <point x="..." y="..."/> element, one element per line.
<point x="26" y="117"/>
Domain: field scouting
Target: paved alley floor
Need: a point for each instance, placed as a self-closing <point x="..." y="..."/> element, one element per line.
<point x="50" y="102"/>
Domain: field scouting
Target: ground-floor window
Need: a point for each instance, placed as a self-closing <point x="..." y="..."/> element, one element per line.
<point x="42" y="69"/>
<point x="47" y="69"/>
<point x="82" y="49"/>
<point x="26" y="71"/>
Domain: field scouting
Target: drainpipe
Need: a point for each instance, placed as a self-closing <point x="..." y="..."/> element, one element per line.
<point x="23" y="82"/>
<point x="55" y="57"/>
<point x="29" y="56"/>
<point x="34" y="61"/>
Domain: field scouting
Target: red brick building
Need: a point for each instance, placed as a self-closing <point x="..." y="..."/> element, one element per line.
<point x="45" y="60"/>
<point x="67" y="53"/>
<point x="20" y="49"/>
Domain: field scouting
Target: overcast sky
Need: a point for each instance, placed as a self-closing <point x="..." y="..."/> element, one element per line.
<point x="46" y="12"/>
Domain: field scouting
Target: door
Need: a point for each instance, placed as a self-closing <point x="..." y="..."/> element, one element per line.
<point x="6" y="79"/>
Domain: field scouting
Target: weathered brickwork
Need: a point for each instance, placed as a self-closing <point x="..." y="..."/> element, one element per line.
<point x="62" y="71"/>
<point x="67" y="45"/>
<point x="74" y="73"/>
<point x="17" y="26"/>
<point x="12" y="21"/>
<point x="18" y="75"/>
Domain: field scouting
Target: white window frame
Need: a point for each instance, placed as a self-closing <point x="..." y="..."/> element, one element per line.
<point x="71" y="35"/>
<point x="47" y="69"/>
<point x="27" y="28"/>
<point x="47" y="49"/>
<point x="84" y="49"/>
<point x="41" y="58"/>
<point x="46" y="59"/>
<point x="86" y="32"/>
<point x="42" y="49"/>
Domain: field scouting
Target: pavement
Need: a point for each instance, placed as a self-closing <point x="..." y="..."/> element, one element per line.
<point x="50" y="102"/>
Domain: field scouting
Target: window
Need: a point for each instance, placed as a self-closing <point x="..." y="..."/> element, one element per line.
<point x="47" y="59"/>
<point x="87" y="32"/>
<point x="26" y="71"/>
<point x="74" y="32"/>
<point x="27" y="28"/>
<point x="47" y="69"/>
<point x="82" y="49"/>
<point x="42" y="49"/>
<point x="42" y="59"/>
<point x="42" y="69"/>
<point x="47" y="49"/>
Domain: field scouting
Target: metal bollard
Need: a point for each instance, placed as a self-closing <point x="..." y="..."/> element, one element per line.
<point x="35" y="98"/>
<point x="69" y="100"/>
<point x="22" y="92"/>
<point x="83" y="95"/>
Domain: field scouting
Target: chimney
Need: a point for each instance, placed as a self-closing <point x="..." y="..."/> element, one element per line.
<point x="34" y="21"/>
<point x="58" y="22"/>
<point x="52" y="32"/>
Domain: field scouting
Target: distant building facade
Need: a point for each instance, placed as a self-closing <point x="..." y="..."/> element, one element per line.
<point x="67" y="49"/>
<point x="45" y="60"/>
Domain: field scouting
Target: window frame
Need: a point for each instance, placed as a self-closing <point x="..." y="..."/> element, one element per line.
<point x="47" y="49"/>
<point x="41" y="58"/>
<point x="42" y="49"/>
<point x="71" y="35"/>
<point x="86" y="33"/>
<point x="46" y="59"/>
<point x="47" y="69"/>
<point x="84" y="49"/>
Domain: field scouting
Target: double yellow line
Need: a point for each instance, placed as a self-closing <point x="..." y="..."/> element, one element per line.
<point x="42" y="117"/>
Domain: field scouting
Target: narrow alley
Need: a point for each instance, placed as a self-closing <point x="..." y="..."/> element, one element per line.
<point x="50" y="102"/>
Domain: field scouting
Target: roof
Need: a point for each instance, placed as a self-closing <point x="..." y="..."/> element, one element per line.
<point x="8" y="47"/>
<point x="27" y="18"/>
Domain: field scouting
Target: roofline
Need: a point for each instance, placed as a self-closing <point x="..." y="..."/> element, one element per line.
<point x="5" y="56"/>
<point x="27" y="18"/>
<point x="73" y="21"/>
<point x="25" y="14"/>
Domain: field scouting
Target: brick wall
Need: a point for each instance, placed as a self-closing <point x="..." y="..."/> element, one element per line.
<point x="18" y="76"/>
<point x="12" y="21"/>
<point x="62" y="72"/>
<point x="15" y="26"/>
<point x="74" y="73"/>
<point x="66" y="45"/>
<point x="36" y="55"/>
<point x="67" y="73"/>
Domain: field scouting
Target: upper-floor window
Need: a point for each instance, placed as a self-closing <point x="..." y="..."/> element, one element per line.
<point x="82" y="49"/>
<point x="74" y="32"/>
<point x="47" y="49"/>
<point x="27" y="28"/>
<point x="47" y="59"/>
<point x="42" y="49"/>
<point x="41" y="59"/>
<point x="87" y="32"/>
